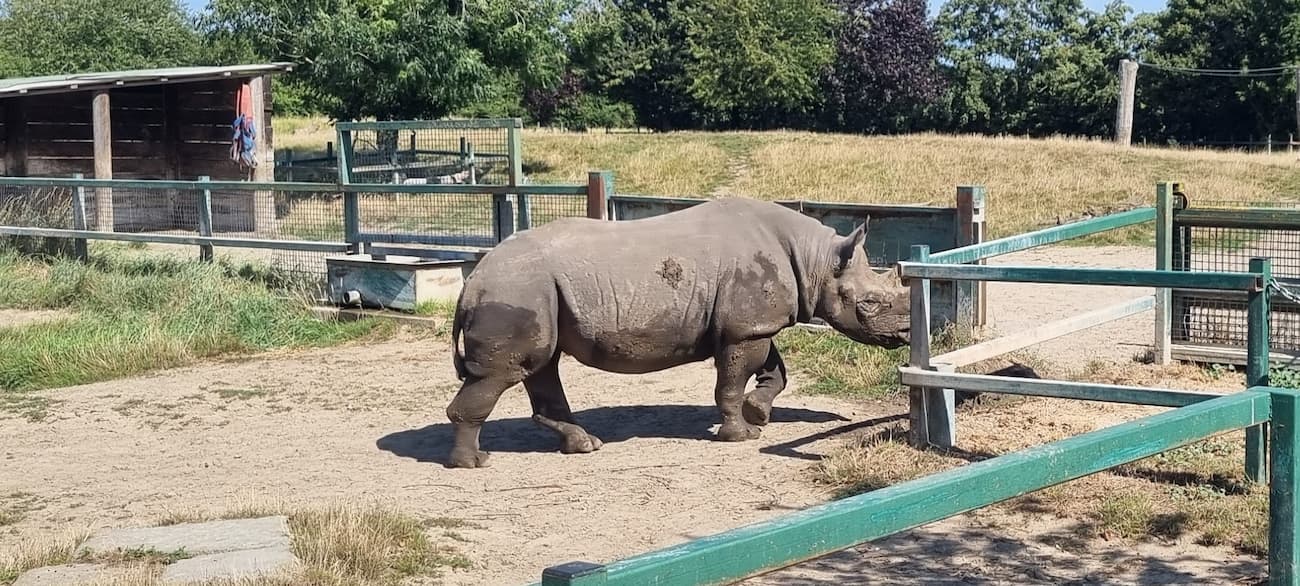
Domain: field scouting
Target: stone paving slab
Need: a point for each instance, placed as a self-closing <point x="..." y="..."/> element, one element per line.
<point x="74" y="575"/>
<point x="233" y="565"/>
<point x="196" y="538"/>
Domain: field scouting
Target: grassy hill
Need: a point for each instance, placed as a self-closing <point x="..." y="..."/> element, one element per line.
<point x="1031" y="182"/>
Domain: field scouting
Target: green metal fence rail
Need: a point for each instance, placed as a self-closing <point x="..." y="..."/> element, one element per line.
<point x="932" y="412"/>
<point x="823" y="529"/>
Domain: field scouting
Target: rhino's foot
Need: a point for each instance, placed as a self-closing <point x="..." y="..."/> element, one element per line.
<point x="580" y="442"/>
<point x="466" y="458"/>
<point x="738" y="431"/>
<point x="755" y="410"/>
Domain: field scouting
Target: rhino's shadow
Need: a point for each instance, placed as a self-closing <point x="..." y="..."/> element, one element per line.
<point x="611" y="424"/>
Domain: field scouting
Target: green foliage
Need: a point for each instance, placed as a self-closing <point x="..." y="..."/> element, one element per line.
<point x="397" y="58"/>
<point x="52" y="37"/>
<point x="753" y="61"/>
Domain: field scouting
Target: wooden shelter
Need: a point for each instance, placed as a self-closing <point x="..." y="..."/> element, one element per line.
<point x="165" y="124"/>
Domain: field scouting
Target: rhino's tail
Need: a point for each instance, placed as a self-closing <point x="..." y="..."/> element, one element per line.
<point x="457" y="356"/>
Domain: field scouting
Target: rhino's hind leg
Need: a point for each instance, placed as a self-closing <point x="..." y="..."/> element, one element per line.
<point x="551" y="410"/>
<point x="736" y="363"/>
<point x="467" y="412"/>
<point x="771" y="381"/>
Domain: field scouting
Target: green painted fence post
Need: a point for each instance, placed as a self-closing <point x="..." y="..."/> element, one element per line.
<point x="515" y="151"/>
<point x="205" y="220"/>
<point x="1283" y="512"/>
<point x="1257" y="355"/>
<point x="575" y="574"/>
<point x="1164" y="262"/>
<point x="351" y="199"/>
<point x="80" y="248"/>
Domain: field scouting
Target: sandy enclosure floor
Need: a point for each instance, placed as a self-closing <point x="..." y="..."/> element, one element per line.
<point x="365" y="423"/>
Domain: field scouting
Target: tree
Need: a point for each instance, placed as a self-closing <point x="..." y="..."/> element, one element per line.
<point x="755" y="62"/>
<point x="1037" y="67"/>
<point x="48" y="37"/>
<point x="1231" y="35"/>
<point x="400" y="58"/>
<point x="886" y="68"/>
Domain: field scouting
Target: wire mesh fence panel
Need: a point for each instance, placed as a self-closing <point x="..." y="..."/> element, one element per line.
<point x="458" y="219"/>
<point x="1219" y="319"/>
<point x="543" y="209"/>
<point x="429" y="155"/>
<point x="36" y="207"/>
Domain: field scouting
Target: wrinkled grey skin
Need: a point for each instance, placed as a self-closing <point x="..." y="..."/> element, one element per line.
<point x="717" y="280"/>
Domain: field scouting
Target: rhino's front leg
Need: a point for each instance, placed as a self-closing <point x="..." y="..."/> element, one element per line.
<point x="735" y="364"/>
<point x="771" y="381"/>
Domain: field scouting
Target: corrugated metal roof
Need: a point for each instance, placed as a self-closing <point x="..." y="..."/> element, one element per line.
<point x="17" y="86"/>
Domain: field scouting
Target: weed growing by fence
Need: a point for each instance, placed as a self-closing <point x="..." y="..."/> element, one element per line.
<point x="132" y="314"/>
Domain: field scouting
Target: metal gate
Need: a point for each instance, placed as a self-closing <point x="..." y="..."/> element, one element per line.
<point x="1222" y="236"/>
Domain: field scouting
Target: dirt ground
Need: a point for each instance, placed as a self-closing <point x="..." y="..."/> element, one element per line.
<point x="366" y="423"/>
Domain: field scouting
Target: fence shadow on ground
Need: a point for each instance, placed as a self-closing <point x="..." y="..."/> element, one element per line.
<point x="960" y="553"/>
<point x="616" y="424"/>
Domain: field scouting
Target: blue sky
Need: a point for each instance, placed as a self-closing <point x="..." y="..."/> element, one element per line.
<point x="1138" y="5"/>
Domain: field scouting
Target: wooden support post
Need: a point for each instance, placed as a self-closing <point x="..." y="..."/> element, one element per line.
<point x="79" y="246"/>
<point x="288" y="165"/>
<point x="919" y="350"/>
<point x="205" y="220"/>
<point x="600" y="187"/>
<point x="1284" y="490"/>
<point x="1164" y="262"/>
<point x="329" y="150"/>
<point x="263" y="201"/>
<point x="1297" y="98"/>
<point x="514" y="150"/>
<point x="1124" y="114"/>
<point x="471" y="163"/>
<point x="101" y="118"/>
<point x="1257" y="334"/>
<point x="16" y="136"/>
<point x="970" y="230"/>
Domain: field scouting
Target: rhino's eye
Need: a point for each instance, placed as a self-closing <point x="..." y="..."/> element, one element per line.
<point x="868" y="305"/>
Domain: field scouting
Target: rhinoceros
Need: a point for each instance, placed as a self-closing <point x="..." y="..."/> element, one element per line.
<point x="717" y="280"/>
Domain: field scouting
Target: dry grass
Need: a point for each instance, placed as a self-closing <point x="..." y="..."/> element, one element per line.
<point x="36" y="553"/>
<point x="338" y="545"/>
<point x="1031" y="182"/>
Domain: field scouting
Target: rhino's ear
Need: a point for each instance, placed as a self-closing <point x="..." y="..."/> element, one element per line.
<point x="849" y="246"/>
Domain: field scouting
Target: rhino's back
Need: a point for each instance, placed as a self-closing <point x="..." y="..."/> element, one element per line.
<point x="645" y="294"/>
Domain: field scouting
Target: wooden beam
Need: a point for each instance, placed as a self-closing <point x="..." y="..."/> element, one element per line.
<point x="102" y="120"/>
<point x="171" y="132"/>
<point x="600" y="185"/>
<point x="16" y="135"/>
<point x="1124" y="113"/>
<point x="819" y="530"/>
<point x="1043" y="333"/>
<point x="1164" y="262"/>
<point x="1010" y="385"/>
<point x="1234" y="356"/>
<point x="264" y="172"/>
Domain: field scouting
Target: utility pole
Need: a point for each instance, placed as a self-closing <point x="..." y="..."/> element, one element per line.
<point x="1124" y="114"/>
<point x="1297" y="104"/>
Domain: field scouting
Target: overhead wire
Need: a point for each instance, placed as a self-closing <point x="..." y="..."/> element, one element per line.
<point x="1277" y="71"/>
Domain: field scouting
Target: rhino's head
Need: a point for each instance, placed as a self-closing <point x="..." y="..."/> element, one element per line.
<point x="865" y="306"/>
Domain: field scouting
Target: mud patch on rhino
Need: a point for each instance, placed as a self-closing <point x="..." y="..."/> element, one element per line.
<point x="671" y="272"/>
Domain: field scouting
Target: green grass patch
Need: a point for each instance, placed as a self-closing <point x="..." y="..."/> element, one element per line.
<point x="134" y="314"/>
<point x="839" y="366"/>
